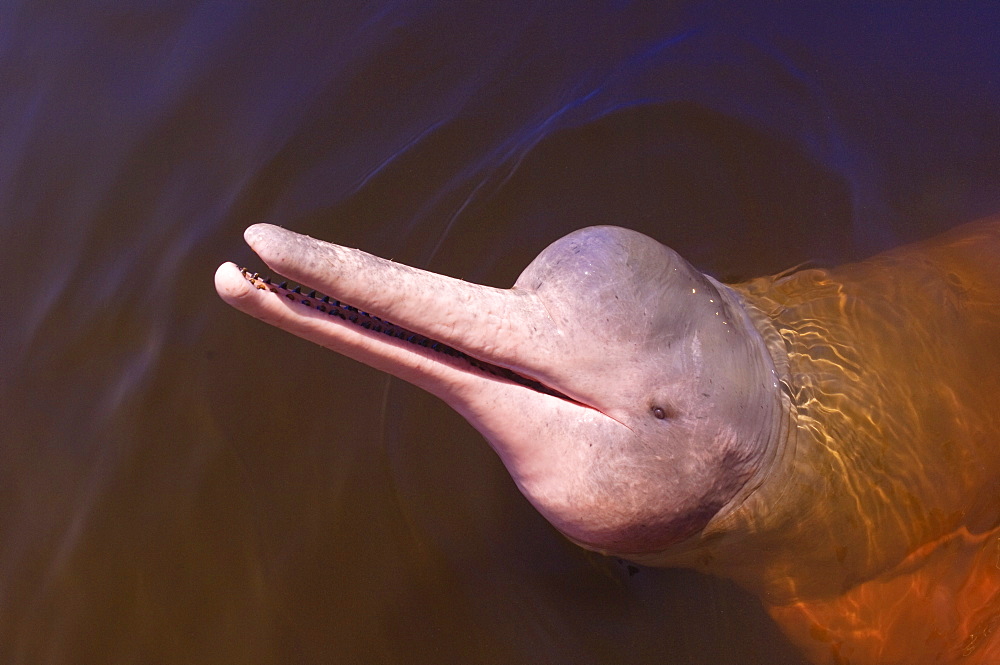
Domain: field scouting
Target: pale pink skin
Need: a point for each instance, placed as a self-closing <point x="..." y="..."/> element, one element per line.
<point x="612" y="319"/>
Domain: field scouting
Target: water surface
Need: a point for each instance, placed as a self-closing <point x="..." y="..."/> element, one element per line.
<point x="181" y="484"/>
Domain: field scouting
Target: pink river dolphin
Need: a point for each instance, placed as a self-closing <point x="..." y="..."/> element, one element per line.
<point x="828" y="439"/>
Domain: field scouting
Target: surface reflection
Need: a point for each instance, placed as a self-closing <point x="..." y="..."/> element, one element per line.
<point x="890" y="553"/>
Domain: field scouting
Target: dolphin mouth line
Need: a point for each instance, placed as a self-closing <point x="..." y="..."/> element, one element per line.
<point x="374" y="324"/>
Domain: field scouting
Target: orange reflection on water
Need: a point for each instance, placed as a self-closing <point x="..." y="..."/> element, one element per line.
<point x="879" y="536"/>
<point x="950" y="588"/>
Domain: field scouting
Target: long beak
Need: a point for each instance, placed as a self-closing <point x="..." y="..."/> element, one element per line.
<point x="507" y="328"/>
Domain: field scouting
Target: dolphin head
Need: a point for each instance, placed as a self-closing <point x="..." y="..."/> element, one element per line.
<point x="629" y="396"/>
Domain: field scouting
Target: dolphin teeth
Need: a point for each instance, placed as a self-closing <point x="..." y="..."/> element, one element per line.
<point x="347" y="312"/>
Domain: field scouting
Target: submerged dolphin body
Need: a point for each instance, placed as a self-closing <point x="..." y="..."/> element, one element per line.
<point x="828" y="438"/>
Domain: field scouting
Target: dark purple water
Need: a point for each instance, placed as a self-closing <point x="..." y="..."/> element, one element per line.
<point x="179" y="483"/>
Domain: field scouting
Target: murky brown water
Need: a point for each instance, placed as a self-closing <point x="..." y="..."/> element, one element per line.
<point x="178" y="484"/>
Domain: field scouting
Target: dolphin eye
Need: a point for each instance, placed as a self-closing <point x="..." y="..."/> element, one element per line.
<point x="659" y="412"/>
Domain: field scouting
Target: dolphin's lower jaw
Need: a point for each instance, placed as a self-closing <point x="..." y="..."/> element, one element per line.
<point x="378" y="326"/>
